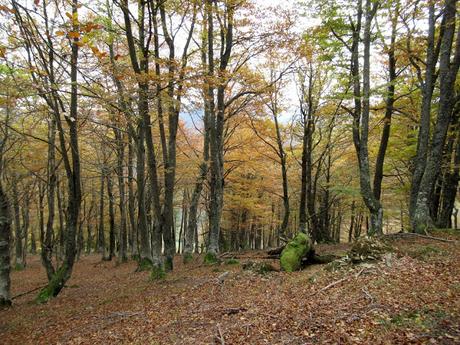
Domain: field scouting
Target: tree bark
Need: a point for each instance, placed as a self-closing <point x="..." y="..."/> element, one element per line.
<point x="283" y="163"/>
<point x="379" y="164"/>
<point x="72" y="165"/>
<point x="361" y="114"/>
<point x="217" y="118"/>
<point x="19" y="254"/>
<point x="101" y="228"/>
<point x="421" y="220"/>
<point x="111" y="217"/>
<point x="5" y="221"/>
<point x="424" y="127"/>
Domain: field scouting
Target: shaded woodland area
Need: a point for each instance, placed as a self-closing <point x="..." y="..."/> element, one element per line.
<point x="187" y="156"/>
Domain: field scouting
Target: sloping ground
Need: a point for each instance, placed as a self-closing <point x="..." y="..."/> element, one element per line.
<point x="411" y="298"/>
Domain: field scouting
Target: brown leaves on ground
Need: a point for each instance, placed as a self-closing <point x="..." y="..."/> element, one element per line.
<point x="413" y="297"/>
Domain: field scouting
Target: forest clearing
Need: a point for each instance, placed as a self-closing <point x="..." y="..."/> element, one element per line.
<point x="229" y="172"/>
<point x="412" y="298"/>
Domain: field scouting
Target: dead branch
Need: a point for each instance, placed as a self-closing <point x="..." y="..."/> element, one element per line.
<point x="232" y="311"/>
<point x="219" y="335"/>
<point x="427" y="237"/>
<point x="368" y="295"/>
<point x="327" y="287"/>
<point x="28" y="292"/>
<point x="337" y="282"/>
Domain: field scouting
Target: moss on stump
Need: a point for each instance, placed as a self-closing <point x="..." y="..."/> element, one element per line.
<point x="157" y="273"/>
<point x="295" y="250"/>
<point x="188" y="257"/>
<point x="144" y="264"/>
<point x="54" y="286"/>
<point x="211" y="259"/>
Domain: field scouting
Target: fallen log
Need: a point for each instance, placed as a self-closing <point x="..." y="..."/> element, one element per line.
<point x="276" y="251"/>
<point x="315" y="259"/>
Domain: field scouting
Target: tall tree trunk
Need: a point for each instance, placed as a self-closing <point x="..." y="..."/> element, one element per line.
<point x="134" y="249"/>
<point x="89" y="223"/>
<point x="303" y="221"/>
<point x="5" y="221"/>
<point x="25" y="225"/>
<point x="191" y="231"/>
<point x="120" y="151"/>
<point x="122" y="196"/>
<point x="352" y="222"/>
<point x="309" y="219"/>
<point x="72" y="165"/>
<point x="60" y="204"/>
<point x="448" y="71"/>
<point x="139" y="60"/>
<point x="449" y="196"/>
<point x="19" y="255"/>
<point x="111" y="217"/>
<point x="282" y="156"/>
<point x="361" y="114"/>
<point x="378" y="174"/>
<point x="217" y="117"/>
<point x="424" y="127"/>
<point x="101" y="228"/>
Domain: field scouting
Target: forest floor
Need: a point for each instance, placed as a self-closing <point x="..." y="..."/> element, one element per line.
<point x="413" y="297"/>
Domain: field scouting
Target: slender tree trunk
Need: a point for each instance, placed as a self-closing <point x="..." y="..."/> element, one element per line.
<point x="378" y="174"/>
<point x="62" y="275"/>
<point x="111" y="217"/>
<point x="19" y="256"/>
<point x="25" y="225"/>
<point x="303" y="222"/>
<point x="191" y="231"/>
<point x="352" y="222"/>
<point x="424" y="128"/>
<point x="139" y="60"/>
<point x="79" y="243"/>
<point x="101" y="229"/>
<point x="60" y="204"/>
<point x="217" y="117"/>
<point x="361" y="115"/>
<point x="5" y="221"/>
<point x="122" y="196"/>
<point x="451" y="177"/>
<point x="131" y="201"/>
<point x="120" y="150"/>
<point x="282" y="156"/>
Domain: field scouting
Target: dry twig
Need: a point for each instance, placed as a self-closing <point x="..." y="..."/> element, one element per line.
<point x="219" y="335"/>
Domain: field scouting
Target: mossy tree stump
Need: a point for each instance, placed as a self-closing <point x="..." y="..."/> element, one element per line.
<point x="295" y="251"/>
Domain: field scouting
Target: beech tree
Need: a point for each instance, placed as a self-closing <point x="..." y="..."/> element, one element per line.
<point x="449" y="63"/>
<point x="40" y="50"/>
